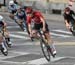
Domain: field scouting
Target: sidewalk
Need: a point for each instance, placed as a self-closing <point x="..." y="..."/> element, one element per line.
<point x="53" y="17"/>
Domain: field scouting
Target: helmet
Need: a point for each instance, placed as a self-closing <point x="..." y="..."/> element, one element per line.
<point x="29" y="10"/>
<point x="67" y="9"/>
<point x="11" y="2"/>
<point x="1" y="18"/>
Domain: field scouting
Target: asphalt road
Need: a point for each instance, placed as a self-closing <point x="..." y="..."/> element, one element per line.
<point x="25" y="52"/>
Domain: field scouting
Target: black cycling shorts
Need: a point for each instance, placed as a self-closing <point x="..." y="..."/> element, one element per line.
<point x="39" y="26"/>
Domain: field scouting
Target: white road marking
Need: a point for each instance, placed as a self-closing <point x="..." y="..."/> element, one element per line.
<point x="62" y="31"/>
<point x="11" y="62"/>
<point x="19" y="36"/>
<point x="44" y="61"/>
<point x="25" y="33"/>
<point x="59" y="35"/>
<point x="12" y="26"/>
<point x="14" y="54"/>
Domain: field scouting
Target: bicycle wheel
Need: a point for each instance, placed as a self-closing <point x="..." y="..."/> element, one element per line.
<point x="45" y="50"/>
<point x="2" y="50"/>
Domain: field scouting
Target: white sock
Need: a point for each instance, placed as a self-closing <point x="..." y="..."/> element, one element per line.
<point x="4" y="46"/>
<point x="52" y="46"/>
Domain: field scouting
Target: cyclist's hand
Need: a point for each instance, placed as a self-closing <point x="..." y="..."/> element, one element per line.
<point x="30" y="34"/>
<point x="68" y="26"/>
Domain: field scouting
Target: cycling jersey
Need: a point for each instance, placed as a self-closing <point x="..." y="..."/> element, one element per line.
<point x="37" y="21"/>
<point x="69" y="17"/>
<point x="35" y="17"/>
<point x="21" y="15"/>
<point x="12" y="8"/>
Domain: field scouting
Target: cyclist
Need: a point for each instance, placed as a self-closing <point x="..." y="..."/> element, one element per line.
<point x="12" y="9"/>
<point x="68" y="16"/>
<point x="39" y="22"/>
<point x="20" y="17"/>
<point x="6" y="33"/>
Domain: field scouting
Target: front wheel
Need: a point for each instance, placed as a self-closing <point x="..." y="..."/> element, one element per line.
<point x="45" y="50"/>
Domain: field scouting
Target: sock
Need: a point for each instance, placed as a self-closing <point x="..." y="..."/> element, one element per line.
<point x="4" y="46"/>
<point x="52" y="46"/>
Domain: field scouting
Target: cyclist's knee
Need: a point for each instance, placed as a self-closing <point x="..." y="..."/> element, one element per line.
<point x="6" y="34"/>
<point x="11" y="16"/>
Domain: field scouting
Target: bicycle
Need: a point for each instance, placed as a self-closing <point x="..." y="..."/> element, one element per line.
<point x="46" y="49"/>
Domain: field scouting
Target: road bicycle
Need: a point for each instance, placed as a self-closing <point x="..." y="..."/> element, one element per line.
<point x="46" y="49"/>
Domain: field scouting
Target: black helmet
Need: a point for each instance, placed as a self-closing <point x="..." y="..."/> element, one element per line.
<point x="67" y="9"/>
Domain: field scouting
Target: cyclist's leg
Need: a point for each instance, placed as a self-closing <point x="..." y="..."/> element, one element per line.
<point x="2" y="43"/>
<point x="50" y="41"/>
<point x="6" y="34"/>
<point x="34" y="30"/>
<point x="11" y="15"/>
<point x="24" y="25"/>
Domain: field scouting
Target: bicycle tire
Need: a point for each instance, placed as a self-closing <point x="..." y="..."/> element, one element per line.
<point x="47" y="53"/>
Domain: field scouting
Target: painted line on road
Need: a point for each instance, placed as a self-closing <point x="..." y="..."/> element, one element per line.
<point x="14" y="54"/>
<point x="13" y="27"/>
<point x="25" y="33"/>
<point x="53" y="34"/>
<point x="60" y="35"/>
<point x="44" y="61"/>
<point x="62" y="31"/>
<point x="19" y="36"/>
<point x="11" y="62"/>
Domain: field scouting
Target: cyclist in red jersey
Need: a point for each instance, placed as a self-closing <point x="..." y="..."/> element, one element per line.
<point x="39" y="22"/>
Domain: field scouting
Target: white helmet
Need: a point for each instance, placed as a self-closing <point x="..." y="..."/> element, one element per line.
<point x="1" y="18"/>
<point x="11" y="2"/>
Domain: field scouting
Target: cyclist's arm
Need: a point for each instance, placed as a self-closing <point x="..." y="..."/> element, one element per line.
<point x="29" y="23"/>
<point x="29" y="28"/>
<point x="73" y="13"/>
<point x="43" y="21"/>
<point x="66" y="22"/>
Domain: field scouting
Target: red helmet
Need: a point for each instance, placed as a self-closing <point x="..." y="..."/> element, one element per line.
<point x="67" y="9"/>
<point x="29" y="10"/>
